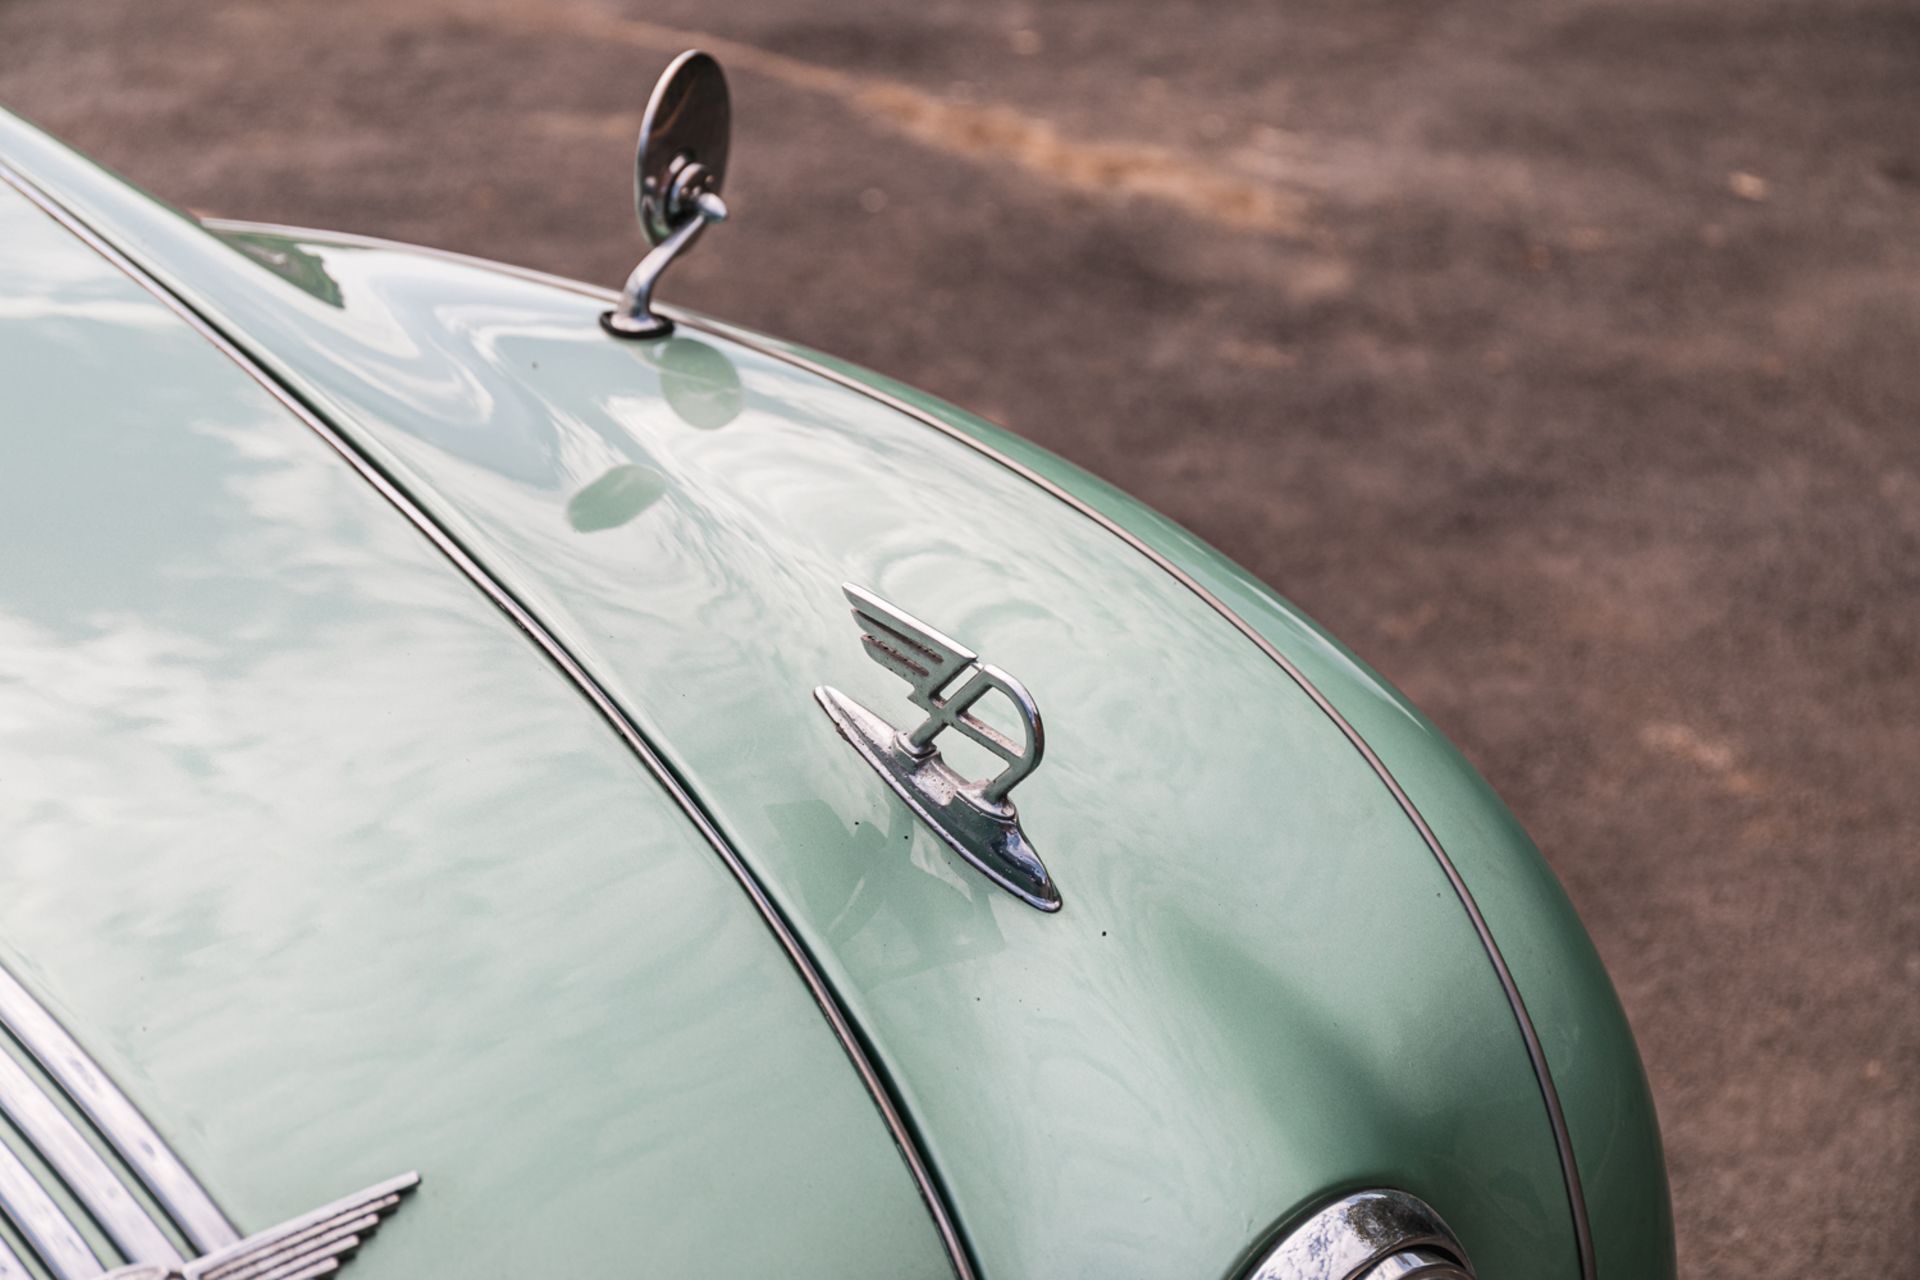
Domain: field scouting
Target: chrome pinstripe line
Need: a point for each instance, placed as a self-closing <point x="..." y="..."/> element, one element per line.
<point x="563" y="658"/>
<point x="1550" y="1095"/>
<point x="177" y="1190"/>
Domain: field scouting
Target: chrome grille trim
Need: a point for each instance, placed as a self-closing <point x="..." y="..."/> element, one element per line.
<point x="118" y="1121"/>
<point x="11" y="1268"/>
<point x="47" y="1230"/>
<point x="1369" y="1235"/>
<point x="43" y="1124"/>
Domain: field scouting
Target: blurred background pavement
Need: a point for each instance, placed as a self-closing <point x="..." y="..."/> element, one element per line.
<point x="1563" y="358"/>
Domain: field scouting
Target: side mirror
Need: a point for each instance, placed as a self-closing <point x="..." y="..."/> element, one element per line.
<point x="679" y="166"/>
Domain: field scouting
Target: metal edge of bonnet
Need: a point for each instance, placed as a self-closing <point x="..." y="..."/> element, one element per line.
<point x="931" y="1192"/>
<point x="1536" y="1052"/>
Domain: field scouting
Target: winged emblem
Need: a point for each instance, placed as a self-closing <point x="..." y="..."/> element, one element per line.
<point x="974" y="817"/>
<point x="930" y="662"/>
<point x="312" y="1245"/>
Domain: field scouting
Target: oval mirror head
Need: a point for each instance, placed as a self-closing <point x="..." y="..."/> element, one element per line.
<point x="677" y="171"/>
<point x="683" y="144"/>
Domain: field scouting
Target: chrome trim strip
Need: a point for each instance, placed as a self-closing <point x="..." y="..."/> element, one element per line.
<point x="178" y="1192"/>
<point x="47" y="1231"/>
<point x="1357" y="1235"/>
<point x="60" y="1144"/>
<point x="1536" y="1052"/>
<point x="590" y="688"/>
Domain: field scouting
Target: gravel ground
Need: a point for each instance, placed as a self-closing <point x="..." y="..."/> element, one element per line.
<point x="1561" y="357"/>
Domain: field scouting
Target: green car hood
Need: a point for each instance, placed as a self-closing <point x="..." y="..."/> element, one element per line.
<point x="337" y="878"/>
<point x="1263" y="988"/>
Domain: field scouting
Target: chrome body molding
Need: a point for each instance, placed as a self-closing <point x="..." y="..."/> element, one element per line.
<point x="311" y="1245"/>
<point x="974" y="818"/>
<point x="58" y="1141"/>
<point x="1370" y="1235"/>
<point x="564" y="660"/>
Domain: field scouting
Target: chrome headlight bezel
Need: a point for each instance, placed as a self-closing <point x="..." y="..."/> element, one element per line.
<point x="1369" y="1235"/>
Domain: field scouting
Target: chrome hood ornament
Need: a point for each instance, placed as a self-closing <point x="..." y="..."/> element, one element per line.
<point x="679" y="166"/>
<point x="974" y="817"/>
<point x="50" y="1119"/>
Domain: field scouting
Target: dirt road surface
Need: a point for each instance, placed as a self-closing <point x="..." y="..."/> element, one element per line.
<point x="1562" y="357"/>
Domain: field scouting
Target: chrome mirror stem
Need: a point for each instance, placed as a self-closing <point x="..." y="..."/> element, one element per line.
<point x="634" y="317"/>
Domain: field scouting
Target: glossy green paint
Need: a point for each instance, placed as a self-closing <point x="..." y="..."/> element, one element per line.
<point x="1260" y="990"/>
<point x="1260" y="987"/>
<point x="1575" y="1010"/>
<point x="337" y="877"/>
